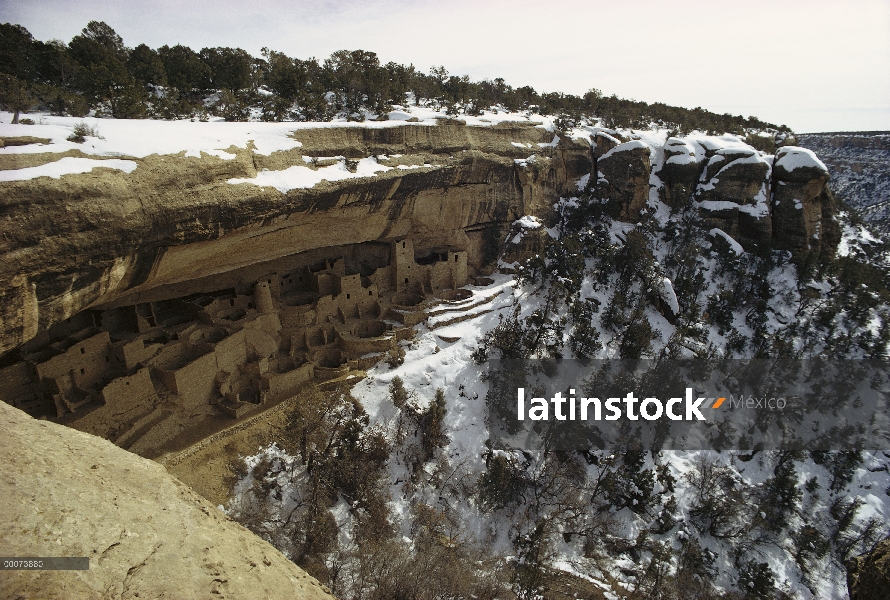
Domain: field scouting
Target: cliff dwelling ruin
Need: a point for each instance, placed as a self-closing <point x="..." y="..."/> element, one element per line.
<point x="143" y="374"/>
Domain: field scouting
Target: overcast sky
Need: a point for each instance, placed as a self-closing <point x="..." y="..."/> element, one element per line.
<point x="814" y="65"/>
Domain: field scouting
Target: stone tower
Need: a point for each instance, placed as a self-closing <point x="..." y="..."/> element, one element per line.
<point x="405" y="271"/>
<point x="262" y="297"/>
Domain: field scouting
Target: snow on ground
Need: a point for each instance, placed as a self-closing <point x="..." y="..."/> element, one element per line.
<point x="711" y="143"/>
<point x="142" y="137"/>
<point x="139" y="138"/>
<point x="66" y="166"/>
<point x="551" y="144"/>
<point x="582" y="183"/>
<point x="668" y="295"/>
<point x="853" y="237"/>
<point x="440" y="355"/>
<point x="303" y="177"/>
<point x="431" y="363"/>
<point x="528" y="222"/>
<point x="682" y="152"/>
<point x="625" y="147"/>
<point x="441" y="358"/>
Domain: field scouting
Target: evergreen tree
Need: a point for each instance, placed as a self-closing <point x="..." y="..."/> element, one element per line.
<point x="358" y="80"/>
<point x="103" y="74"/>
<point x="146" y="66"/>
<point x="101" y="33"/>
<point x="397" y="392"/>
<point x="55" y="64"/>
<point x="18" y="52"/>
<point x="432" y="426"/>
<point x="230" y="68"/>
<point x="14" y="96"/>
<point x="185" y="70"/>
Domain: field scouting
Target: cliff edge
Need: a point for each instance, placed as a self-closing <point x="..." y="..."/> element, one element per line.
<point x="147" y="535"/>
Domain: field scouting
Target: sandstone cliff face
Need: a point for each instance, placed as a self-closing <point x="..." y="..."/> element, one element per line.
<point x="98" y="237"/>
<point x="734" y="195"/>
<point x="147" y="535"/>
<point x="680" y="171"/>
<point x="176" y="225"/>
<point x="803" y="207"/>
<point x="801" y="212"/>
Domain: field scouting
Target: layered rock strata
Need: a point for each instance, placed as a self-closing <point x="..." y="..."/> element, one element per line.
<point x="90" y="239"/>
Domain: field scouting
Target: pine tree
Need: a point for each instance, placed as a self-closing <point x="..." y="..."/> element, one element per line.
<point x="14" y="96"/>
<point x="397" y="392"/>
<point x="432" y="426"/>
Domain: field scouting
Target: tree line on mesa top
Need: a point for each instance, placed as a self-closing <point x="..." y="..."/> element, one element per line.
<point x="96" y="71"/>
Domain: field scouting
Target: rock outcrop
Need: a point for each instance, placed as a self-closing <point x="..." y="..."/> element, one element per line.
<point x="622" y="180"/>
<point x="803" y="208"/>
<point x="680" y="171"/>
<point x="868" y="575"/>
<point x="779" y="201"/>
<point x="174" y="225"/>
<point x="734" y="195"/>
<point x="146" y="534"/>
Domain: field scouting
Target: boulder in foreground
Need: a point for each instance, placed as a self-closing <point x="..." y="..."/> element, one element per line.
<point x="147" y="535"/>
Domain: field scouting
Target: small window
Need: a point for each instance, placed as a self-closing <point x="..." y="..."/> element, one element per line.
<point x="347" y="296"/>
<point x="270" y="282"/>
<point x="406" y="280"/>
<point x="455" y="258"/>
<point x="128" y="383"/>
<point x="232" y="302"/>
<point x="403" y="244"/>
<point x="282" y="284"/>
<point x="370" y="293"/>
<point x="82" y="351"/>
<point x="82" y="371"/>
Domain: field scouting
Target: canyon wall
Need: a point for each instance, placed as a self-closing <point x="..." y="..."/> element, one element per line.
<point x="177" y="224"/>
<point x="350" y="230"/>
<point x="859" y="164"/>
<point x="110" y="236"/>
<point x="149" y="304"/>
